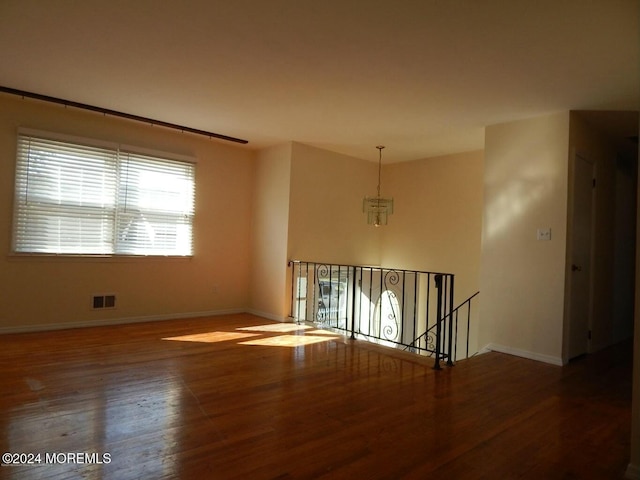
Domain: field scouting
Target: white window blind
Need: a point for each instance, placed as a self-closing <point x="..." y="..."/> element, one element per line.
<point x="155" y="206"/>
<point x="81" y="199"/>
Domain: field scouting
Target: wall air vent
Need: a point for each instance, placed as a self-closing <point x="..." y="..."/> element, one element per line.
<point x="103" y="301"/>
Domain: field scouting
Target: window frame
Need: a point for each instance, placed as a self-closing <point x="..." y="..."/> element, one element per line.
<point x="121" y="150"/>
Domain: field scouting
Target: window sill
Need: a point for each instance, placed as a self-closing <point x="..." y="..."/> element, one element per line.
<point x="65" y="257"/>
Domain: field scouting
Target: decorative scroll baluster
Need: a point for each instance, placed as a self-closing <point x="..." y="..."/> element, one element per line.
<point x="326" y="290"/>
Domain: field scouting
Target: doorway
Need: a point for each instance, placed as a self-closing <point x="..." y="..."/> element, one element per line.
<point x="580" y="252"/>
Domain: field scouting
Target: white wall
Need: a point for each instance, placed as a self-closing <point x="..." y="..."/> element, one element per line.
<point x="521" y="278"/>
<point x="48" y="292"/>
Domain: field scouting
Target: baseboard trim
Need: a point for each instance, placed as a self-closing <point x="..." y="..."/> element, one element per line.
<point x="483" y="350"/>
<point x="117" y="321"/>
<point x="269" y="316"/>
<point x="524" y="354"/>
<point x="633" y="472"/>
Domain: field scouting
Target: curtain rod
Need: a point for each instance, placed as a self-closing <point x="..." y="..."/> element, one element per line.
<point x="114" y="113"/>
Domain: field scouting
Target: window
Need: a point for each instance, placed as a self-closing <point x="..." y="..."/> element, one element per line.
<point x="74" y="198"/>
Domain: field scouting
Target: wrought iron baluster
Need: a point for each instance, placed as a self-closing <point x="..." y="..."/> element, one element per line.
<point x="415" y="303"/>
<point x="292" y="308"/>
<point x="353" y="304"/>
<point x="322" y="288"/>
<point x="315" y="305"/>
<point x="371" y="313"/>
<point x="451" y="286"/>
<point x="468" y="325"/>
<point x="307" y="294"/>
<point x="379" y="303"/>
<point x="426" y="342"/>
<point x="455" y="342"/>
<point x="402" y="316"/>
<point x="438" y="281"/>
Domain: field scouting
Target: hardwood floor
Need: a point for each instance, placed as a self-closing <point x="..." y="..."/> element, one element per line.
<point x="229" y="400"/>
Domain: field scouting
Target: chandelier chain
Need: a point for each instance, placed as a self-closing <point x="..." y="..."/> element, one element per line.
<point x="379" y="147"/>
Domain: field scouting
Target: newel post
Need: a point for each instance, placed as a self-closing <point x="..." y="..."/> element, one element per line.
<point x="438" y="282"/>
<point x="450" y="315"/>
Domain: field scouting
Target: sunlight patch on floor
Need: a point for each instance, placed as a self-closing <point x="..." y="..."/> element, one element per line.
<point x="212" y="337"/>
<point x="323" y="332"/>
<point x="288" y="340"/>
<point x="276" y="327"/>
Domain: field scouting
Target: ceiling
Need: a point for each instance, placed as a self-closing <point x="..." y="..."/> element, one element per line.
<point x="423" y="77"/>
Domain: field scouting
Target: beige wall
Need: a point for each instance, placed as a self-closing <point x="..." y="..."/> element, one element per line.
<point x="307" y="206"/>
<point x="437" y="224"/>
<point x="46" y="292"/>
<point x="322" y="192"/>
<point x="634" y="464"/>
<point x="326" y="223"/>
<point x="521" y="278"/>
<point x="254" y="212"/>
<point x="438" y="217"/>
<point x="635" y="414"/>
<point x="270" y="232"/>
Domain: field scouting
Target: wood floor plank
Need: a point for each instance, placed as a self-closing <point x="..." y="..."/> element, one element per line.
<point x="214" y="405"/>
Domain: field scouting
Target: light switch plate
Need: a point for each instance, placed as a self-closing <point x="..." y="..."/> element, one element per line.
<point x="544" y="234"/>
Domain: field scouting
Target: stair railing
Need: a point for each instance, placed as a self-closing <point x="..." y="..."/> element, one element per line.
<point x="452" y="320"/>
<point x="384" y="305"/>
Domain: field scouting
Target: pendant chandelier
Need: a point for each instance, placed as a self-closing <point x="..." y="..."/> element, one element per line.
<point x="377" y="208"/>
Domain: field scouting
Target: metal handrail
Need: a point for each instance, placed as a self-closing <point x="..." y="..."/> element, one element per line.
<point x="374" y="267"/>
<point x="377" y="303"/>
<point x="449" y="315"/>
<point x="455" y="310"/>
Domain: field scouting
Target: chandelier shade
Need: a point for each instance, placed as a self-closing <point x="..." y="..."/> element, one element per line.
<point x="378" y="208"/>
